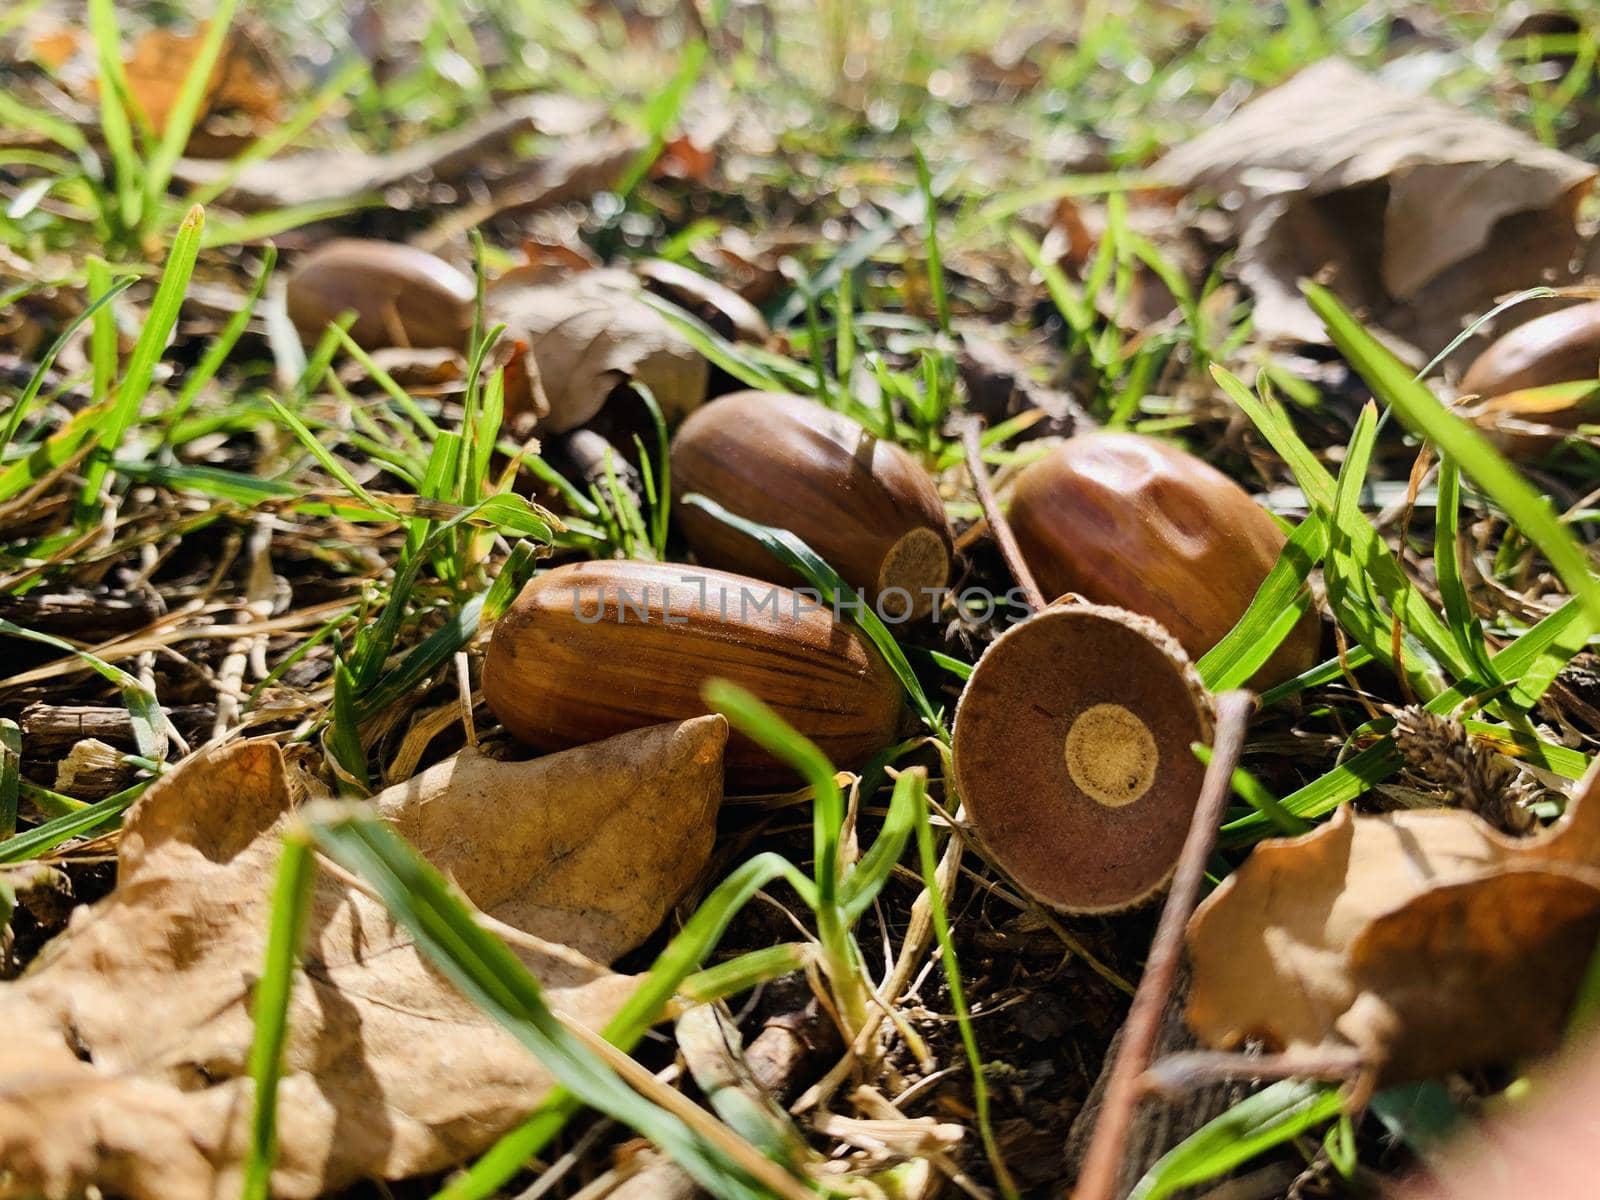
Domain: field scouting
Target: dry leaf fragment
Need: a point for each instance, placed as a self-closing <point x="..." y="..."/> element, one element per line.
<point x="242" y="99"/>
<point x="719" y="306"/>
<point x="1418" y="212"/>
<point x="630" y="836"/>
<point x="124" y="1065"/>
<point x="586" y="334"/>
<point x="1427" y="940"/>
<point x="330" y="176"/>
<point x="1480" y="971"/>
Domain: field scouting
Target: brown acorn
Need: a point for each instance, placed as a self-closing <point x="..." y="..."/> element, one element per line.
<point x="1556" y="348"/>
<point x="402" y="296"/>
<point x="1071" y="753"/>
<point x="1124" y="519"/>
<point x="592" y="649"/>
<point x="1544" y="376"/>
<point x="864" y="504"/>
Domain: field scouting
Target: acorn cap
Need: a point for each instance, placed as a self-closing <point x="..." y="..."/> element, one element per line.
<point x="1072" y="755"/>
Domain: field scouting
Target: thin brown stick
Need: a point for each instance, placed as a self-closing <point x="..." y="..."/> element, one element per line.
<point x="1191" y="1069"/>
<point x="998" y="525"/>
<point x="1102" y="1165"/>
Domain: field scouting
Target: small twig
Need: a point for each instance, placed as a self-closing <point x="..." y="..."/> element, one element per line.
<point x="1102" y="1165"/>
<point x="998" y="525"/>
<point x="1191" y="1069"/>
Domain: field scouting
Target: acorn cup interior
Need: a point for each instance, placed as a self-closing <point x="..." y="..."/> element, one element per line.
<point x="1072" y="755"/>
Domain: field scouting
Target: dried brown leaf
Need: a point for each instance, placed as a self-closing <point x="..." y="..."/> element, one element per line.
<point x="1427" y="940"/>
<point x="586" y="334"/>
<point x="124" y="1065"/>
<point x="330" y="176"/>
<point x="243" y="98"/>
<point x="1415" y="211"/>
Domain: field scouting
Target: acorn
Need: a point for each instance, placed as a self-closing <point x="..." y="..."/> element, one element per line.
<point x="1127" y="520"/>
<point x="1558" y="347"/>
<point x="1072" y="755"/>
<point x="402" y="296"/>
<point x="1544" y="375"/>
<point x="592" y="649"/>
<point x="864" y="504"/>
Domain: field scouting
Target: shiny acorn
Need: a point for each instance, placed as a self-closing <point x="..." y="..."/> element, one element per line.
<point x="1126" y="520"/>
<point x="1556" y="348"/>
<point x="592" y="649"/>
<point x="1540" y="380"/>
<point x="864" y="504"/>
<point x="402" y="296"/>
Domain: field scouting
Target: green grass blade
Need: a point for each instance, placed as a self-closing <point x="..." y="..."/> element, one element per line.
<point x="35" y="384"/>
<point x="748" y="970"/>
<point x="639" y="1012"/>
<point x="1274" y="612"/>
<point x="272" y="222"/>
<point x="222" y="346"/>
<point x="872" y="871"/>
<point x="147" y="351"/>
<point x="1471" y="451"/>
<point x="325" y="457"/>
<point x="661" y="115"/>
<point x="767" y="729"/>
<point x="1458" y="612"/>
<point x="291" y="905"/>
<point x="440" y="646"/>
<point x="660" y="474"/>
<point x="16" y="115"/>
<point x="1255" y="1125"/>
<point x="10" y="775"/>
<point x="344" y="729"/>
<point x="150" y="727"/>
<point x="736" y="361"/>
<point x="1367" y="547"/>
<point x="952" y="974"/>
<point x="1254" y="793"/>
<point x="115" y="126"/>
<point x="103" y="332"/>
<point x="1537" y="653"/>
<point x="41" y="839"/>
<point x="185" y="109"/>
<point x="935" y="264"/>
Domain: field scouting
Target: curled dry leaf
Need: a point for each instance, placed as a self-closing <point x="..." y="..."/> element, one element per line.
<point x="125" y="1061"/>
<point x="1425" y="940"/>
<point x="583" y="336"/>
<point x="1417" y="212"/>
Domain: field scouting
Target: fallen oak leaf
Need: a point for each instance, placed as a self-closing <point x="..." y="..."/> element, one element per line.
<point x="586" y="334"/>
<point x="332" y="176"/>
<point x="125" y="1061"/>
<point x="1480" y="971"/>
<point x="1424" y="214"/>
<point x="610" y="866"/>
<point x="1341" y="938"/>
